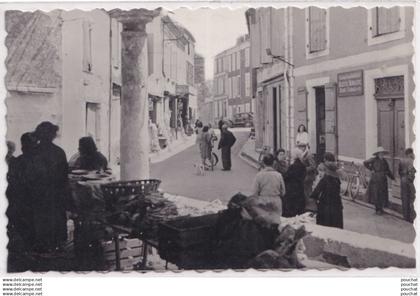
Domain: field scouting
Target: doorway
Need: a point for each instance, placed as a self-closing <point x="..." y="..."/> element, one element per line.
<point x="276" y="118"/>
<point x="391" y="129"/>
<point x="320" y="123"/>
<point x="92" y="123"/>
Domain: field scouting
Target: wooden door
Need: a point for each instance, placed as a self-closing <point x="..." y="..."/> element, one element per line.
<point x="391" y="134"/>
<point x="274" y="111"/>
<point x="320" y="123"/>
<point x="391" y="129"/>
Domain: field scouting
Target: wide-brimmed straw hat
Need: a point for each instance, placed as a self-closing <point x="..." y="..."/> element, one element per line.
<point x="380" y="149"/>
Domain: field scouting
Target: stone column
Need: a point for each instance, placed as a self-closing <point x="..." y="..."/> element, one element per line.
<point x="134" y="141"/>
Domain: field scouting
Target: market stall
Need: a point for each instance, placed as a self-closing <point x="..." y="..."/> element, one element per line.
<point x="119" y="223"/>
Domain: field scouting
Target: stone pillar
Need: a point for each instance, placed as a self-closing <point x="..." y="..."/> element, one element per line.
<point x="134" y="141"/>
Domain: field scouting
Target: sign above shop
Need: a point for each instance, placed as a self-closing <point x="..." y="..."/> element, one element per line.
<point x="350" y="84"/>
<point x="182" y="90"/>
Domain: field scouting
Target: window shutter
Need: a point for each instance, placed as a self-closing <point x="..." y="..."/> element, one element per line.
<point x="87" y="54"/>
<point x="395" y="19"/>
<point x="375" y="21"/>
<point x="383" y="20"/>
<point x="150" y="53"/>
<point x="317" y="29"/>
<point x="278" y="31"/>
<point x="388" y="20"/>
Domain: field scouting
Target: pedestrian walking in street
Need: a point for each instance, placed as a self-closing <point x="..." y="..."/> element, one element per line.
<point x="269" y="189"/>
<point x="205" y="145"/>
<point x="227" y="140"/>
<point x="280" y="163"/>
<point x="378" y="184"/>
<point x="308" y="161"/>
<point x="294" y="199"/>
<point x="327" y="194"/>
<point x="302" y="137"/>
<point x="88" y="157"/>
<point x="407" y="174"/>
<point x="51" y="190"/>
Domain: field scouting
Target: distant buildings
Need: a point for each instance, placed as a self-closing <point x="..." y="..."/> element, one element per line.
<point x="65" y="67"/>
<point x="232" y="80"/>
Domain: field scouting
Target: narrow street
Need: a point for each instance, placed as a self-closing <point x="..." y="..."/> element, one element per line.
<point x="179" y="176"/>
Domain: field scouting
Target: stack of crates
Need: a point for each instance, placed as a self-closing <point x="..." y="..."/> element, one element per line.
<point x="131" y="250"/>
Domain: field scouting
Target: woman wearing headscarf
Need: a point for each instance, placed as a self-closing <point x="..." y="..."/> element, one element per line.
<point x="51" y="191"/>
<point x="378" y="184"/>
<point x="327" y="194"/>
<point x="88" y="158"/>
<point x="294" y="199"/>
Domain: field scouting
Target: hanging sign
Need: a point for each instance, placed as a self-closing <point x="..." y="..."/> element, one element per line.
<point x="350" y="84"/>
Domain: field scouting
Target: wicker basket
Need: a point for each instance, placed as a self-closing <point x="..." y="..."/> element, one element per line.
<point x="116" y="189"/>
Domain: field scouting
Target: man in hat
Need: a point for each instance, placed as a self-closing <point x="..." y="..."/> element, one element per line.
<point x="51" y="191"/>
<point x="227" y="139"/>
<point x="378" y="184"/>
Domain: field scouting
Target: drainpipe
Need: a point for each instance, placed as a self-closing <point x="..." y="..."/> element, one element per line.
<point x="286" y="79"/>
<point x="110" y="89"/>
<point x="291" y="79"/>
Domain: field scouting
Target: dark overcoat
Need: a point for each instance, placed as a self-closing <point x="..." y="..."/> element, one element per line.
<point x="294" y="199"/>
<point x="330" y="207"/>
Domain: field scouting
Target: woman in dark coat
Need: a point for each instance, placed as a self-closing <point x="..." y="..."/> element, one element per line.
<point x="88" y="158"/>
<point x="51" y="190"/>
<point x="20" y="210"/>
<point x="294" y="199"/>
<point x="378" y="184"/>
<point x="227" y="139"/>
<point x="327" y="195"/>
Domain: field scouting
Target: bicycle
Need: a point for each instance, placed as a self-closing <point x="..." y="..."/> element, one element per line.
<point x="353" y="180"/>
<point x="214" y="159"/>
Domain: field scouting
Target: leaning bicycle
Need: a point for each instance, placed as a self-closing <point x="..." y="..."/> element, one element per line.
<point x="353" y="180"/>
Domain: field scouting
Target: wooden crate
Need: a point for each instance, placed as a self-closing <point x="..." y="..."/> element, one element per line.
<point x="130" y="253"/>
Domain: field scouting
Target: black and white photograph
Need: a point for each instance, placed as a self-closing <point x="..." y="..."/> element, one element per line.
<point x="264" y="138"/>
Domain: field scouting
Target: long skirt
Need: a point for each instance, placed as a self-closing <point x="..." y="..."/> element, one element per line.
<point x="378" y="190"/>
<point x="330" y="215"/>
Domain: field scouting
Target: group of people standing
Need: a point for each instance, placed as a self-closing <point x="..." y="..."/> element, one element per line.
<point x="295" y="183"/>
<point x="291" y="186"/>
<point x="38" y="189"/>
<point x="206" y="138"/>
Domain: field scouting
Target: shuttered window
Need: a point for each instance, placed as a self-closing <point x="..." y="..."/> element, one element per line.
<point x="317" y="29"/>
<point x="150" y="53"/>
<point x="385" y="20"/>
<point x="87" y="47"/>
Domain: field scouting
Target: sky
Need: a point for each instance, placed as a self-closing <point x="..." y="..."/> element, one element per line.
<point x="213" y="29"/>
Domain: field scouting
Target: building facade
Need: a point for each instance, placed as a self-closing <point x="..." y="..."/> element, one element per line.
<point x="172" y="93"/>
<point x="349" y="80"/>
<point x="232" y="80"/>
<point x="67" y="71"/>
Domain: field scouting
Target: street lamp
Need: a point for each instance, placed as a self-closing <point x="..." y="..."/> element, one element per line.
<point x="269" y="53"/>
